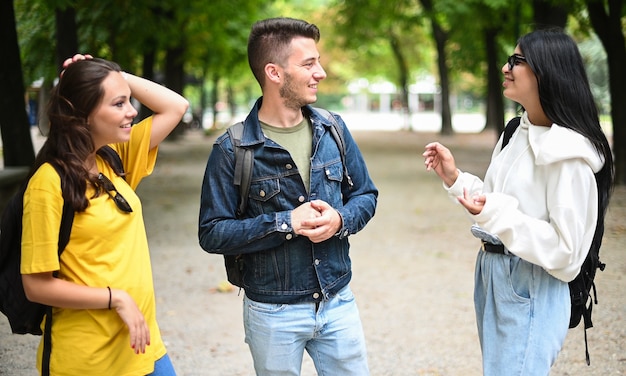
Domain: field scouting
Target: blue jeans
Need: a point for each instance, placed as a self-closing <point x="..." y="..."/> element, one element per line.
<point x="522" y="313"/>
<point x="278" y="334"/>
<point x="163" y="367"/>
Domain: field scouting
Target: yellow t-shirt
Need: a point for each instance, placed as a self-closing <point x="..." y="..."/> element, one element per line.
<point x="107" y="247"/>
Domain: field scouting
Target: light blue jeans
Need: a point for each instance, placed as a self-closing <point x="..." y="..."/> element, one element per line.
<point x="278" y="334"/>
<point x="163" y="367"/>
<point x="522" y="314"/>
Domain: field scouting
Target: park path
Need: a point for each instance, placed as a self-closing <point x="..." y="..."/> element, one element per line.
<point x="413" y="272"/>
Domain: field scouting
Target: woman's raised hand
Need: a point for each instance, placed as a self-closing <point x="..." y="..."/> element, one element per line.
<point x="439" y="159"/>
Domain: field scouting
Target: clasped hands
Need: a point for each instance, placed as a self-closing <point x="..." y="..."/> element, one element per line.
<point x="316" y="220"/>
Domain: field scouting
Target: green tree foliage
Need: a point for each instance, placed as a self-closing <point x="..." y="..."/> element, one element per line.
<point x="217" y="52"/>
<point x="385" y="40"/>
<point x="35" y="30"/>
<point x="440" y="36"/>
<point x="202" y="45"/>
<point x="608" y="18"/>
<point x="186" y="41"/>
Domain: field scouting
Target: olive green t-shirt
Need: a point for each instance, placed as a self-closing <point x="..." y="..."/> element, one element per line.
<point x="298" y="142"/>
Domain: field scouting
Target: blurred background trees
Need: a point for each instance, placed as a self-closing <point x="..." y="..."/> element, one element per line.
<point x="405" y="56"/>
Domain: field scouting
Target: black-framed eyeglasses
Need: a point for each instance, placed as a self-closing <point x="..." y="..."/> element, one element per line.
<point x="119" y="200"/>
<point x="514" y="60"/>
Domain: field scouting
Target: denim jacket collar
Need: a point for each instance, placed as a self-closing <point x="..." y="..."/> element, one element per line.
<point x="253" y="134"/>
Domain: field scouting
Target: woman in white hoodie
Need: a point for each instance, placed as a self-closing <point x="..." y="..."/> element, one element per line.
<point x="539" y="207"/>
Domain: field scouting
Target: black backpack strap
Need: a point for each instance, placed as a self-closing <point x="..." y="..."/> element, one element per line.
<point x="509" y="129"/>
<point x="337" y="133"/>
<point x="47" y="343"/>
<point x="244" y="163"/>
<point x="67" y="219"/>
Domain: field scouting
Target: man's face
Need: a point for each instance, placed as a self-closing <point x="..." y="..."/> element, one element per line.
<point x="302" y="72"/>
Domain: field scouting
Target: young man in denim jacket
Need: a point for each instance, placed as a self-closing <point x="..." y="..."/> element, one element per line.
<point x="300" y="211"/>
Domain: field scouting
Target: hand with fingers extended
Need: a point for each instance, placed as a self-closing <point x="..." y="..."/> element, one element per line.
<point x="439" y="158"/>
<point x="134" y="319"/>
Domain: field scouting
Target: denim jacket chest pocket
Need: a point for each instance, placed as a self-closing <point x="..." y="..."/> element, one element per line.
<point x="262" y="194"/>
<point x="264" y="190"/>
<point x="327" y="181"/>
<point x="334" y="172"/>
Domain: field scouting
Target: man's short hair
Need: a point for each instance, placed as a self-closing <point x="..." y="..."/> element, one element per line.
<point x="270" y="39"/>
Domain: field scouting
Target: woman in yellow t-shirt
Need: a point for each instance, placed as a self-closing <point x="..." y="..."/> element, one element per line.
<point x="104" y="314"/>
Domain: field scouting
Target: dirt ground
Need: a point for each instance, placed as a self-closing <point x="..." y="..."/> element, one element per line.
<point x="413" y="272"/>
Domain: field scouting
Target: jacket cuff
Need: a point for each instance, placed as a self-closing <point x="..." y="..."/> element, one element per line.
<point x="343" y="230"/>
<point x="283" y="224"/>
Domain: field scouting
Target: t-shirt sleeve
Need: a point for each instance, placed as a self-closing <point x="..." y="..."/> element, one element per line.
<point x="41" y="220"/>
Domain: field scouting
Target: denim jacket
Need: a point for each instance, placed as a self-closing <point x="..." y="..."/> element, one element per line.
<point x="279" y="266"/>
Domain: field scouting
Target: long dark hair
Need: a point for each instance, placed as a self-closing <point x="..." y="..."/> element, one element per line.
<point x="69" y="141"/>
<point x="566" y="99"/>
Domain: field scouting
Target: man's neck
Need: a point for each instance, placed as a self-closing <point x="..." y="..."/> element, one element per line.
<point x="279" y="116"/>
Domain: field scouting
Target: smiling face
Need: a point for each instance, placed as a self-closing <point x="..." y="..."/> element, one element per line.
<point x="520" y="83"/>
<point x="302" y="72"/>
<point x="111" y="120"/>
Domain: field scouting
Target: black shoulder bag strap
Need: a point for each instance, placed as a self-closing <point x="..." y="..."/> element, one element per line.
<point x="510" y="128"/>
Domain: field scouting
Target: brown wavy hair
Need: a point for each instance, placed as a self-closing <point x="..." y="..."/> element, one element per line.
<point x="69" y="142"/>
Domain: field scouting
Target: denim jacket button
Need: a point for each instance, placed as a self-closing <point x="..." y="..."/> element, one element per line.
<point x="289" y="236"/>
<point x="316" y="295"/>
<point x="301" y="199"/>
<point x="317" y="261"/>
<point x="283" y="226"/>
<point x="288" y="166"/>
<point x="262" y="193"/>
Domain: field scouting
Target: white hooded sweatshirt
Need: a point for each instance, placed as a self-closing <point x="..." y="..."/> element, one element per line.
<point x="541" y="196"/>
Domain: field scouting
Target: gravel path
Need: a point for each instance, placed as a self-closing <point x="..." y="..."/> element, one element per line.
<point x="413" y="272"/>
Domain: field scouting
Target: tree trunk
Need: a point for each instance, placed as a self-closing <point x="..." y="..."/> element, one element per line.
<point x="441" y="38"/>
<point x="66" y="38"/>
<point x="495" y="104"/>
<point x="232" y="104"/>
<point x="403" y="71"/>
<point x="147" y="72"/>
<point x="548" y="14"/>
<point x="175" y="79"/>
<point x="213" y="98"/>
<point x="203" y="98"/>
<point x="17" y="144"/>
<point x="609" y="30"/>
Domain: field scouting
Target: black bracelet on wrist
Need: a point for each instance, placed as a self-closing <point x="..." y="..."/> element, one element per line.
<point x="109" y="296"/>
